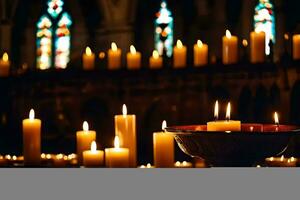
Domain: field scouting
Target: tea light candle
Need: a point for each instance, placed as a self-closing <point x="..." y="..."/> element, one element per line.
<point x="84" y="140"/>
<point x="179" y="55"/>
<point x="184" y="164"/>
<point x="281" y="162"/>
<point x="114" y="57"/>
<point x="133" y="58"/>
<point x="223" y="125"/>
<point x="155" y="61"/>
<point x="88" y="59"/>
<point x="163" y="147"/>
<point x="117" y="157"/>
<point x="296" y="47"/>
<point x="93" y="157"/>
<point x="148" y="166"/>
<point x="230" y="48"/>
<point x="125" y="127"/>
<point x="4" y="65"/>
<point x="200" y="54"/>
<point x="257" y="47"/>
<point x="32" y="140"/>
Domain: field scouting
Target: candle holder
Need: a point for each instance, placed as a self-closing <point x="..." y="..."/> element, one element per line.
<point x="242" y="148"/>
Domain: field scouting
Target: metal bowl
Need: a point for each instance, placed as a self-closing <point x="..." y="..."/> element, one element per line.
<point x="253" y="143"/>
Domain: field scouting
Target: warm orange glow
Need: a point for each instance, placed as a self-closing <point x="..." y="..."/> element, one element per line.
<point x="179" y="44"/>
<point x="286" y="36"/>
<point x="282" y="158"/>
<point x="124" y="110"/>
<point x="5" y="57"/>
<point x="155" y="54"/>
<point x="199" y="43"/>
<point x="164" y="125"/>
<point x="93" y="147"/>
<point x="216" y="110"/>
<point x="276" y="119"/>
<point x="228" y="34"/>
<point x="88" y="51"/>
<point x="184" y="163"/>
<point x="31" y="114"/>
<point x="101" y="55"/>
<point x="245" y="43"/>
<point x="117" y="142"/>
<point x="148" y="165"/>
<point x="114" y="46"/>
<point x="132" y="49"/>
<point x="85" y="126"/>
<point x="228" y="111"/>
<point x="177" y="164"/>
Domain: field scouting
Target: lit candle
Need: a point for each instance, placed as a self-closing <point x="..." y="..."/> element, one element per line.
<point x="163" y="148"/>
<point x="230" y="48"/>
<point x="117" y="157"/>
<point x="84" y="140"/>
<point x="133" y="58"/>
<point x="4" y="65"/>
<point x="125" y="127"/>
<point x="32" y="140"/>
<point x="257" y="47"/>
<point x="296" y="47"/>
<point x="148" y="166"/>
<point x="60" y="160"/>
<point x="88" y="59"/>
<point x="200" y="54"/>
<point x="276" y="120"/>
<point x="281" y="162"/>
<point x="155" y="61"/>
<point x="93" y="157"/>
<point x="179" y="55"/>
<point x="223" y="125"/>
<point x="114" y="57"/>
<point x="184" y="164"/>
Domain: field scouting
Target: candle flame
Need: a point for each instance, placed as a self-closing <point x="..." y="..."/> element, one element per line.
<point x="179" y="44"/>
<point x="114" y="46"/>
<point x="276" y="119"/>
<point x="148" y="165"/>
<point x="292" y="159"/>
<point x="177" y="164"/>
<point x="199" y="43"/>
<point x="31" y="114"/>
<point x="60" y="156"/>
<point x="286" y="36"/>
<point x="143" y="166"/>
<point x="216" y="110"/>
<point x="228" y="111"/>
<point x="184" y="163"/>
<point x="5" y="57"/>
<point x="272" y="158"/>
<point x="124" y="110"/>
<point x="132" y="49"/>
<point x="155" y="54"/>
<point x="228" y="34"/>
<point x="117" y="142"/>
<point x="85" y="126"/>
<point x="93" y="147"/>
<point x="245" y="43"/>
<point x="88" y="51"/>
<point x="164" y="125"/>
<point x="281" y="158"/>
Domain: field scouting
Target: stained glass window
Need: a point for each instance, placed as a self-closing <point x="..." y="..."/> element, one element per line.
<point x="54" y="37"/>
<point x="264" y="20"/>
<point x="163" y="34"/>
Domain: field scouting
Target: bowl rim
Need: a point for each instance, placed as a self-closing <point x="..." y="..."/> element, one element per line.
<point x="183" y="130"/>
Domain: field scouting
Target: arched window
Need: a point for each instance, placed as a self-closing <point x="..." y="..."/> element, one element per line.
<point x="264" y="20"/>
<point x="163" y="35"/>
<point x="54" y="37"/>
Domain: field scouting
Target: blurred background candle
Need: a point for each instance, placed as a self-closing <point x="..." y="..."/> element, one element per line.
<point x="184" y="164"/>
<point x="155" y="61"/>
<point x="133" y="58"/>
<point x="93" y="157"/>
<point x="281" y="162"/>
<point x="114" y="57"/>
<point x="200" y="54"/>
<point x="257" y="47"/>
<point x="223" y="125"/>
<point x="4" y="65"/>
<point x="84" y="140"/>
<point x="125" y="129"/>
<point x="148" y="166"/>
<point x="230" y="48"/>
<point x="60" y="160"/>
<point x="88" y="59"/>
<point x="179" y="55"/>
<point x="117" y="157"/>
<point x="163" y="149"/>
<point x="32" y="140"/>
<point x="296" y="47"/>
